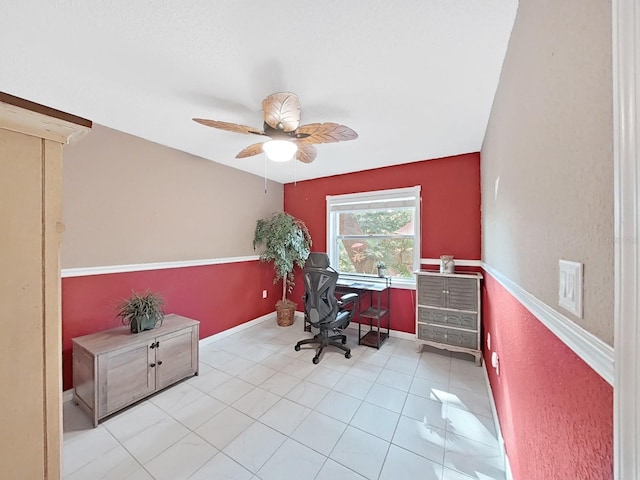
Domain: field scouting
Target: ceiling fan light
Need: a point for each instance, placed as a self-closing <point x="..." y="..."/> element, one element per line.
<point x="280" y="150"/>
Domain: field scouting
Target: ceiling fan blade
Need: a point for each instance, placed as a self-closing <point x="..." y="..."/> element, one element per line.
<point x="229" y="127"/>
<point x="282" y="111"/>
<point x="325" y="133"/>
<point x="306" y="152"/>
<point x="251" y="150"/>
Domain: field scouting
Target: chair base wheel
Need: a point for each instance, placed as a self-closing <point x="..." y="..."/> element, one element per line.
<point x="315" y="360"/>
<point x="344" y="341"/>
<point x="297" y="348"/>
<point x="347" y="355"/>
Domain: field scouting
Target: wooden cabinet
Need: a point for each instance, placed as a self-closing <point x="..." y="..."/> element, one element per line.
<point x="31" y="146"/>
<point x="448" y="312"/>
<point x="115" y="368"/>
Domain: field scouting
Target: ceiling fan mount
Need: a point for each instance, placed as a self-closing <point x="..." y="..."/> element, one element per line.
<point x="282" y="122"/>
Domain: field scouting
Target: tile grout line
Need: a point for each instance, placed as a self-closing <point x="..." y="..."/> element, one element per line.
<point x="397" y="353"/>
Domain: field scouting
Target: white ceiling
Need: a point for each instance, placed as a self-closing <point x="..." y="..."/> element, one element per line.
<point x="414" y="78"/>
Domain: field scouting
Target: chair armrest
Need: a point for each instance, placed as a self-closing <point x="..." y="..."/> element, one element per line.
<point x="347" y="299"/>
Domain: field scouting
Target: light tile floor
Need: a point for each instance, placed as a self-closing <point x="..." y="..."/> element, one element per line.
<point x="261" y="411"/>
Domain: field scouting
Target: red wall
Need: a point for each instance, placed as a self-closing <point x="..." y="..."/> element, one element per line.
<point x="450" y="209"/>
<point x="556" y="413"/>
<point x="219" y="296"/>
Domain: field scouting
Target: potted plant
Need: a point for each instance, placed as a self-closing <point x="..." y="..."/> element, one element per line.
<point x="286" y="242"/>
<point x="382" y="268"/>
<point x="142" y="311"/>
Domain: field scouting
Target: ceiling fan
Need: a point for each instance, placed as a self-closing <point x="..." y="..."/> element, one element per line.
<point x="287" y="136"/>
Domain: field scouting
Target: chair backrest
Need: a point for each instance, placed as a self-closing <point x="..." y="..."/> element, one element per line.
<point x="319" y="288"/>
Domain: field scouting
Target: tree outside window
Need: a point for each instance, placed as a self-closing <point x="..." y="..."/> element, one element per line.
<point x="365" y="229"/>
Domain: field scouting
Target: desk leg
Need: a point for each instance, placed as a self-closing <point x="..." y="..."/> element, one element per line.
<point x="378" y="320"/>
<point x="357" y="307"/>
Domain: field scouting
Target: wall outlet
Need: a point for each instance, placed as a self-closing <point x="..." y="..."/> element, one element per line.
<point x="495" y="362"/>
<point x="264" y="294"/>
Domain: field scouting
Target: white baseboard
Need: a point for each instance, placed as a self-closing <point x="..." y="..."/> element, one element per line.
<point x="507" y="468"/>
<point x="494" y="411"/>
<point x="392" y="333"/>
<point x="238" y="328"/>
<point x="67" y="395"/>
<point x="354" y="326"/>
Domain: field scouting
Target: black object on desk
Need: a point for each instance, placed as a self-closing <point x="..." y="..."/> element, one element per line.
<point x="371" y="308"/>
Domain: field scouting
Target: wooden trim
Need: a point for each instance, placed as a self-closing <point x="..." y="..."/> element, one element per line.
<point x="625" y="21"/>
<point x="52" y="322"/>
<point x="44" y="110"/>
<point x="36" y="120"/>
<point x="45" y="314"/>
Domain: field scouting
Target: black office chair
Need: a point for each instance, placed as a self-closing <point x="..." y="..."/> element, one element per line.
<point x="322" y="310"/>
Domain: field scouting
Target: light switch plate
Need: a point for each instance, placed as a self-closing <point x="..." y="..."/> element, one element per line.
<point x="570" y="287"/>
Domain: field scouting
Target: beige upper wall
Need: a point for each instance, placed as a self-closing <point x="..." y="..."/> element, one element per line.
<point x="550" y="143"/>
<point x="127" y="201"/>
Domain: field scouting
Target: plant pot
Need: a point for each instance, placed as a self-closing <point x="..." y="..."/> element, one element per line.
<point x="382" y="272"/>
<point x="285" y="311"/>
<point x="145" y="322"/>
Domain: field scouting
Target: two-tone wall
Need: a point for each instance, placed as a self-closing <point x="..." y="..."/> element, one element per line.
<point x="142" y="216"/>
<point x="547" y="194"/>
<point x="450" y="211"/>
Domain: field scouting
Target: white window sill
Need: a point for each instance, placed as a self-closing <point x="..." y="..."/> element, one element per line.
<point x="396" y="282"/>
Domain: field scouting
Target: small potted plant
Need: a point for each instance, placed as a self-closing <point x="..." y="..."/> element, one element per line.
<point x="286" y="242"/>
<point x="142" y="311"/>
<point x="382" y="268"/>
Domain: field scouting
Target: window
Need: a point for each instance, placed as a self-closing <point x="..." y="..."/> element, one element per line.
<point x="366" y="228"/>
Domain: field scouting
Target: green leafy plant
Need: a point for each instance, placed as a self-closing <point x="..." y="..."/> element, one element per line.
<point x="382" y="268"/>
<point x="286" y="242"/>
<point x="142" y="311"/>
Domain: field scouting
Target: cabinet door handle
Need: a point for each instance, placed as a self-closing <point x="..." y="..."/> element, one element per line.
<point x="157" y="344"/>
<point x="152" y="346"/>
<point x="159" y="362"/>
<point x="152" y="365"/>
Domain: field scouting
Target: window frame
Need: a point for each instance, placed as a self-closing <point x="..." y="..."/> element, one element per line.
<point x="398" y="197"/>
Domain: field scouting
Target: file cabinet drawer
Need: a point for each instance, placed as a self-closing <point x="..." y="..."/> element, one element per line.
<point x="448" y="336"/>
<point x="444" y="317"/>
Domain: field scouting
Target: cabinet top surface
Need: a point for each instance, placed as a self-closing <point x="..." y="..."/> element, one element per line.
<point x="437" y="273"/>
<point x="106" y="340"/>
